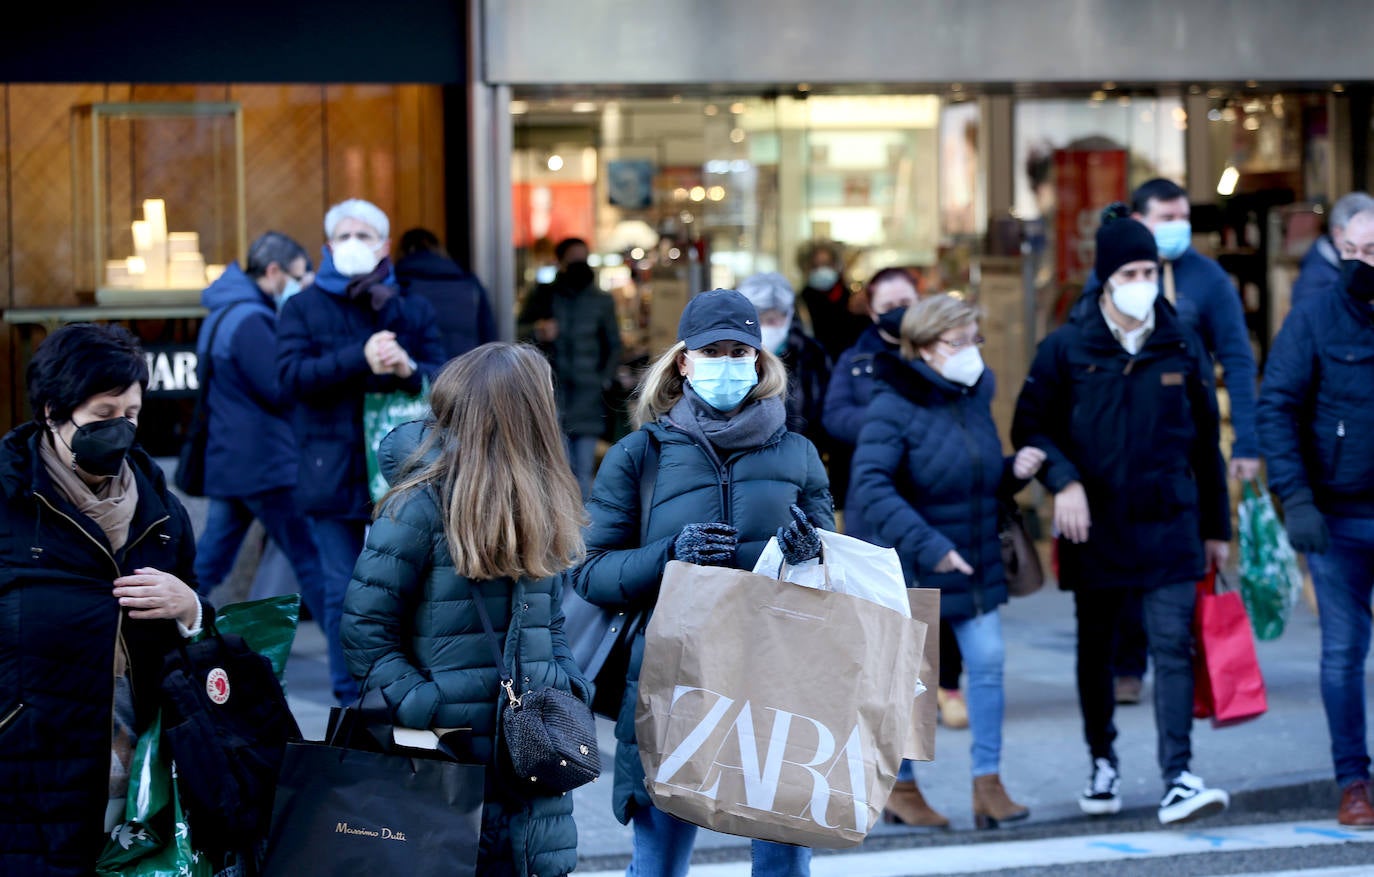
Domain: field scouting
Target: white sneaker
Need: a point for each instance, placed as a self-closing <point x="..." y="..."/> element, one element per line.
<point x="1102" y="797"/>
<point x="1189" y="798"/>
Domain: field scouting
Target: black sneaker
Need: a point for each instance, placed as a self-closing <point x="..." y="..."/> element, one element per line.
<point x="1102" y="797"/>
<point x="1189" y="798"/>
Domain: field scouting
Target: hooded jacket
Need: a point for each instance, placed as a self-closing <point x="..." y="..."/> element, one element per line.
<point x="320" y="362"/>
<point x="250" y="446"/>
<point x="410" y="628"/>
<point x="852" y="385"/>
<point x="1320" y="270"/>
<point x="752" y="490"/>
<point x="1317" y="405"/>
<point x="465" y="317"/>
<point x="1141" y="434"/>
<point x="928" y="476"/>
<point x="59" y="626"/>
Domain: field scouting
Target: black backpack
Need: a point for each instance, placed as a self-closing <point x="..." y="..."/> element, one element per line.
<point x="226" y="721"/>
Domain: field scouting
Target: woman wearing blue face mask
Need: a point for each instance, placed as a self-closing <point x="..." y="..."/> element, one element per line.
<point x="725" y="476"/>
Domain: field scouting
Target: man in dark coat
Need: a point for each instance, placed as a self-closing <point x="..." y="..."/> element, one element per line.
<point x="1317" y="430"/>
<point x="1122" y="402"/>
<point x="351" y="333"/>
<point x="834" y="323"/>
<point x="250" y="453"/>
<point x="573" y="321"/>
<point x="1321" y="267"/>
<point x="465" y="317"/>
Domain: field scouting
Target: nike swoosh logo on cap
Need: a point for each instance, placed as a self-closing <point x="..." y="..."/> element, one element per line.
<point x="748" y="322"/>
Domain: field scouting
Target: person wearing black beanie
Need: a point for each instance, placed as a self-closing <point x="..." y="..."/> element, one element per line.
<point x="1121" y="400"/>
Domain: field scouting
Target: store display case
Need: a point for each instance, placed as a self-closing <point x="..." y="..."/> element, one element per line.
<point x="158" y="193"/>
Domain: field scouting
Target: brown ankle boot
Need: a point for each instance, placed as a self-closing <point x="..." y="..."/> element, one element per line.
<point x="992" y="805"/>
<point x="1356" y="810"/>
<point x="908" y="806"/>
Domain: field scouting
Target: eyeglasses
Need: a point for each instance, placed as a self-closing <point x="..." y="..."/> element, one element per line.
<point x="960" y="345"/>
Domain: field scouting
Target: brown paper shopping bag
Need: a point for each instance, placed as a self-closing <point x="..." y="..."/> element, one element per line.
<point x="772" y="710"/>
<point x="925" y="710"/>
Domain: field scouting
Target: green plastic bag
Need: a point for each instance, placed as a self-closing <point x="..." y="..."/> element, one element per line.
<point x="1270" y="581"/>
<point x="153" y="840"/>
<point x="267" y="625"/>
<point x="383" y="412"/>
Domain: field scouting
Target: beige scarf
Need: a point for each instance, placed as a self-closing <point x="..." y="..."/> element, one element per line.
<point x="111" y="505"/>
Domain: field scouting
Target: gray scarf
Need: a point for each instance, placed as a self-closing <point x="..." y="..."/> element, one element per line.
<point x="718" y="432"/>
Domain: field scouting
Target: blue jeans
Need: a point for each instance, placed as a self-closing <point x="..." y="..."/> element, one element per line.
<point x="663" y="848"/>
<point x="227" y="523"/>
<point x="1168" y="615"/>
<point x="985" y="654"/>
<point x="582" y="458"/>
<point x="340" y="541"/>
<point x="1343" y="579"/>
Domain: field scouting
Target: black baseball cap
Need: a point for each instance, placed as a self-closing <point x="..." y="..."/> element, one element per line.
<point x="719" y="315"/>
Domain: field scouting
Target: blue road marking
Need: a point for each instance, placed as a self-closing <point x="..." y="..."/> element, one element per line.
<point x="1120" y="848"/>
<point x="1326" y="832"/>
<point x="1209" y="838"/>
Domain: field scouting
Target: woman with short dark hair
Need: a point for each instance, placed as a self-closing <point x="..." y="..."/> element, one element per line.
<point x="96" y="586"/>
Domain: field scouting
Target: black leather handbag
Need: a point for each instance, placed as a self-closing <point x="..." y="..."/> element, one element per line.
<point x="549" y="734"/>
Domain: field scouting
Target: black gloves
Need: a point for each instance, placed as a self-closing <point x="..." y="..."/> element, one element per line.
<point x="798" y="540"/>
<point x="706" y="544"/>
<point x="1306" y="527"/>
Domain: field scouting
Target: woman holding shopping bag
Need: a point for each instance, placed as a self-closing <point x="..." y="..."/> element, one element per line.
<point x="484" y="507"/>
<point x="726" y="476"/>
<point x="929" y="476"/>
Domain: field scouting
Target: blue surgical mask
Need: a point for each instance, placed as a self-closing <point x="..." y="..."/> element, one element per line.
<point x="723" y="381"/>
<point x="292" y="287"/>
<point x="823" y="277"/>
<point x="1173" y="238"/>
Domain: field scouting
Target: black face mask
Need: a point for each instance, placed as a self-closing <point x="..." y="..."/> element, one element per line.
<point x="1358" y="277"/>
<point x="100" y="446"/>
<point x="891" y="322"/>
<point x="579" y="275"/>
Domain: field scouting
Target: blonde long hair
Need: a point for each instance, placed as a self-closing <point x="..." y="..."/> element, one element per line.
<point x="662" y="384"/>
<point x="510" y="502"/>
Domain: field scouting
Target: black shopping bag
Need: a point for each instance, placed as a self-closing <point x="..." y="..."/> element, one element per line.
<point x="348" y="811"/>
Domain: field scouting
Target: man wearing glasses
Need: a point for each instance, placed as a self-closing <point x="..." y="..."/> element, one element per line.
<point x="352" y="332"/>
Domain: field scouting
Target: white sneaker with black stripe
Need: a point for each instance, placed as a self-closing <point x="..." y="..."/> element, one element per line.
<point x="1102" y="797"/>
<point x="1189" y="798"/>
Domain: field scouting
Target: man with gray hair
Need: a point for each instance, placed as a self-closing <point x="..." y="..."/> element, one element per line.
<point x="1321" y="267"/>
<point x="352" y="332"/>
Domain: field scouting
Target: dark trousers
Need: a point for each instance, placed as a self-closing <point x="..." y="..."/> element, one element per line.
<point x="1132" y="647"/>
<point x="226" y="524"/>
<point x="951" y="659"/>
<point x="1168" y="617"/>
<point x="340" y="541"/>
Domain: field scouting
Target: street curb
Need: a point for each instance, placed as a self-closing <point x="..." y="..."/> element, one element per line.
<point x="1302" y="798"/>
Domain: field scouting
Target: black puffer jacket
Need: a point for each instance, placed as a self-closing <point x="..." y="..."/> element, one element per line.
<point x="1141" y="435"/>
<point x="409" y="622"/>
<point x="752" y="492"/>
<point x="585" y="354"/>
<point x="59" y="626"/>
<point x="928" y="476"/>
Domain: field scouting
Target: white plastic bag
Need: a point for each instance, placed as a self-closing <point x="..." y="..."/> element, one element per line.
<point x="854" y="567"/>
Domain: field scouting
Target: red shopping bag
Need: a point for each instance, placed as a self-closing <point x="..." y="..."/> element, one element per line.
<point x="1228" y="686"/>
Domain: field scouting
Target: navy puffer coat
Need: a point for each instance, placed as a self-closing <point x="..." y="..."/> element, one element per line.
<point x="411" y="629"/>
<point x="752" y="492"/>
<point x="852" y="386"/>
<point x="59" y="626"/>
<point x="928" y="475"/>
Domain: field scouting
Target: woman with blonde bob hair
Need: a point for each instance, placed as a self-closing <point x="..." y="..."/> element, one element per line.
<point x="929" y="478"/>
<point x="710" y="475"/>
<point x="484" y="507"/>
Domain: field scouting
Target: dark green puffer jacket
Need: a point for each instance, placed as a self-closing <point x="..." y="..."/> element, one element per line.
<point x="410" y="623"/>
<point x="752" y="492"/>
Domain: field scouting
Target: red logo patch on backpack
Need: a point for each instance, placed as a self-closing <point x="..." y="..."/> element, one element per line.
<point x="217" y="686"/>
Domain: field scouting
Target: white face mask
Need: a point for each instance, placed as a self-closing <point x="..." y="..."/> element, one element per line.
<point x="964" y="367"/>
<point x="1137" y="299"/>
<point x="774" y="337"/>
<point x="353" y="258"/>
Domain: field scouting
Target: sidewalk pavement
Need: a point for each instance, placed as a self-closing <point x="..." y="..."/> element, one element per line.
<point x="1279" y="760"/>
